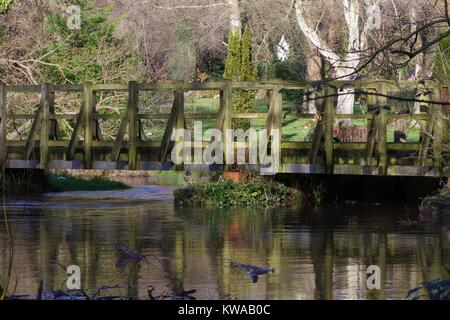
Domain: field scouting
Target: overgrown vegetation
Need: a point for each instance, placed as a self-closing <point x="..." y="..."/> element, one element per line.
<point x="66" y="182"/>
<point x="256" y="192"/>
<point x="88" y="54"/>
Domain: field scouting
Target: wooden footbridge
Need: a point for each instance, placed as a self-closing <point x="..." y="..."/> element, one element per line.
<point x="325" y="153"/>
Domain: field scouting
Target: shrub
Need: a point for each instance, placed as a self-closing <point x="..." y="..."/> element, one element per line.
<point x="258" y="192"/>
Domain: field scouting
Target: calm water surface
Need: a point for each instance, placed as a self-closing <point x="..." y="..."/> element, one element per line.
<point x="316" y="254"/>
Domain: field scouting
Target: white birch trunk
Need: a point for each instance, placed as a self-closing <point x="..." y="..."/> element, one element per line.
<point x="235" y="16"/>
<point x="342" y="66"/>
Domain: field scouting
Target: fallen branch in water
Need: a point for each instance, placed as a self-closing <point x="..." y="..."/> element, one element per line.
<point x="177" y="291"/>
<point x="128" y="255"/>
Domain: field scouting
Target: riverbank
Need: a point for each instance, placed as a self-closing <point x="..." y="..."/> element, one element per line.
<point x="22" y="182"/>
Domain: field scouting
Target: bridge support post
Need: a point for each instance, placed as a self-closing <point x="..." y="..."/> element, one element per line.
<point x="3" y="133"/>
<point x="88" y="96"/>
<point x="328" y="135"/>
<point x="133" y="103"/>
<point x="45" y="106"/>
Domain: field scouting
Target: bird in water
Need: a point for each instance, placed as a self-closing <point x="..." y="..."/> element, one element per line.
<point x="252" y="271"/>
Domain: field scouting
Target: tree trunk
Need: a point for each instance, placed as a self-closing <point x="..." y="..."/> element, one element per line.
<point x="313" y="69"/>
<point x="346" y="101"/>
<point x="343" y="66"/>
<point x="235" y="16"/>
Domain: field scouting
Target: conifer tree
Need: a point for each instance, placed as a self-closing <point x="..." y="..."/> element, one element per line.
<point x="239" y="67"/>
<point x="233" y="61"/>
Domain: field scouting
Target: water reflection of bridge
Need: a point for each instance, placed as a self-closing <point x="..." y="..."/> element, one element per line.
<point x="374" y="154"/>
<point x="313" y="259"/>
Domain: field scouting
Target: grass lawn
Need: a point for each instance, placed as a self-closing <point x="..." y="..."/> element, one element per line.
<point x="293" y="129"/>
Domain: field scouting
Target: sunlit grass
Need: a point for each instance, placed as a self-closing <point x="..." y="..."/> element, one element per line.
<point x="293" y="129"/>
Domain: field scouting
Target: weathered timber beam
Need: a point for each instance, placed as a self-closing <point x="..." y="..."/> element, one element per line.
<point x="438" y="131"/>
<point x="115" y="153"/>
<point x="318" y="134"/>
<point x="426" y="139"/>
<point x="73" y="142"/>
<point x="45" y="125"/>
<point x="169" y="129"/>
<point x="29" y="147"/>
<point x="372" y="132"/>
<point x="88" y="98"/>
<point x="218" y="123"/>
<point x="328" y="122"/>
<point x="382" y="88"/>
<point x="132" y="110"/>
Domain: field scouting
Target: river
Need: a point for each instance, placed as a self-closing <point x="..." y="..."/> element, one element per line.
<point x="316" y="254"/>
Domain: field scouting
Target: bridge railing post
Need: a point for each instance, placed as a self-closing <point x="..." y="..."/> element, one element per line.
<point x="382" y="129"/>
<point x="227" y="121"/>
<point x="277" y="125"/>
<point x="382" y="144"/>
<point x="328" y="132"/>
<point x="438" y="132"/>
<point x="180" y="125"/>
<point x="53" y="125"/>
<point x="87" y="105"/>
<point x="3" y="133"/>
<point x="133" y="104"/>
<point x="45" y="106"/>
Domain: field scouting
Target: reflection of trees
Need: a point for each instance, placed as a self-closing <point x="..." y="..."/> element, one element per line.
<point x="198" y="246"/>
